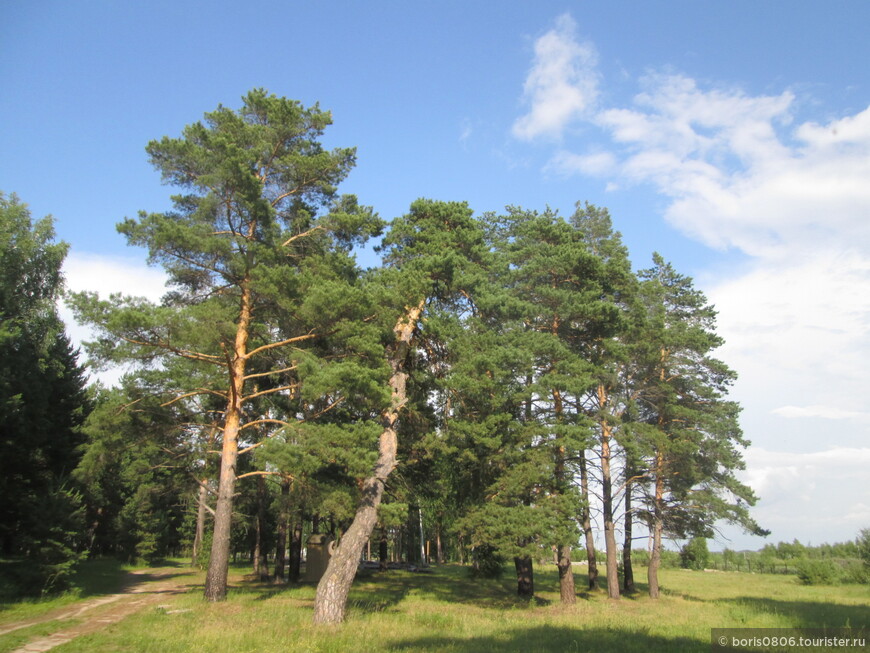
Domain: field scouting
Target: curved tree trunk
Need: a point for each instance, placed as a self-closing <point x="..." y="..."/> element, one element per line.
<point x="330" y="601"/>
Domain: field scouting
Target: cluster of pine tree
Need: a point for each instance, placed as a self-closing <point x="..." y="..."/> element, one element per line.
<point x="509" y="376"/>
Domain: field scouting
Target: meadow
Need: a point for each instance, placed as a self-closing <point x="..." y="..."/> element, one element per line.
<point x="446" y="610"/>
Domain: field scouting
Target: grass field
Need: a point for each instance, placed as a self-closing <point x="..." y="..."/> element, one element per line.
<point x="447" y="611"/>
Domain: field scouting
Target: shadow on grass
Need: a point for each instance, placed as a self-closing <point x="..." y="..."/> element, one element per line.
<point x="808" y="614"/>
<point x="545" y="639"/>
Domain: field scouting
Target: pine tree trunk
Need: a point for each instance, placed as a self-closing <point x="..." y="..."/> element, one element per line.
<point x="218" y="565"/>
<point x="627" y="569"/>
<point x="383" y="551"/>
<point x="281" y="546"/>
<point x="261" y="570"/>
<point x="656" y="553"/>
<point x="525" y="577"/>
<point x="587" y="524"/>
<point x="199" y="534"/>
<point x="567" y="590"/>
<point x="607" y="502"/>
<point x="439" y="551"/>
<point x="330" y="601"/>
<point x="296" y="549"/>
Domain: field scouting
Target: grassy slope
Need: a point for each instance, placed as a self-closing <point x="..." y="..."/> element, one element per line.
<point x="446" y="611"/>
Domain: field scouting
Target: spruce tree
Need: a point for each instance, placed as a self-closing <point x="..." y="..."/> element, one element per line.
<point x="42" y="402"/>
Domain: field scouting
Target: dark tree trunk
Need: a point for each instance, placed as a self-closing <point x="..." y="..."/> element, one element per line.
<point x="525" y="577"/>
<point x="383" y="551"/>
<point x="261" y="564"/>
<point x="567" y="591"/>
<point x="330" y="601"/>
<point x="281" y="545"/>
<point x="627" y="569"/>
<point x="296" y="549"/>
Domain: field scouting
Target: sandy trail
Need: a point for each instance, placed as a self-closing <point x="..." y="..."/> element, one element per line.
<point x="144" y="587"/>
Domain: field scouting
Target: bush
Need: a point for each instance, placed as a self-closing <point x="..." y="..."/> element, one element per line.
<point x="818" y="571"/>
<point x="695" y="554"/>
<point x="486" y="563"/>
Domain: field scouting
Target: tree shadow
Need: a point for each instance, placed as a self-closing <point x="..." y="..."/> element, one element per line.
<point x="545" y="639"/>
<point x="808" y="614"/>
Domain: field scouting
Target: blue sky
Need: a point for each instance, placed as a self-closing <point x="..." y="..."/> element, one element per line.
<point x="733" y="137"/>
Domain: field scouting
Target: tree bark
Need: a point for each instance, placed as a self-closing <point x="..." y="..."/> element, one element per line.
<point x="261" y="570"/>
<point x="525" y="577"/>
<point x="218" y="566"/>
<point x="567" y="591"/>
<point x="586" y="518"/>
<point x="296" y="549"/>
<point x="330" y="601"/>
<point x="607" y="499"/>
<point x="383" y="551"/>
<point x="281" y="546"/>
<point x="656" y="552"/>
<point x="199" y="534"/>
<point x="627" y="569"/>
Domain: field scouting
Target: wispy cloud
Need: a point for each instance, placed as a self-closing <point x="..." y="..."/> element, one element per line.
<point x="562" y="84"/>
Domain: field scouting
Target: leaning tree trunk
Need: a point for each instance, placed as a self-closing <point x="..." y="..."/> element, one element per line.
<point x="330" y="601"/>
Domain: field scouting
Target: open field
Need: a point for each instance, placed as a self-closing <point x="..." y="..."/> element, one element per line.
<point x="447" y="611"/>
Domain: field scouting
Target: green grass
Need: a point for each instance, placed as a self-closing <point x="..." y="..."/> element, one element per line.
<point x="447" y="611"/>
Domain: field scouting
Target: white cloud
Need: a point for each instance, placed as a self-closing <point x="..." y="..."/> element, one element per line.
<point x="562" y="84"/>
<point x="817" y="497"/>
<point x="816" y="410"/>
<point x="107" y="275"/>
<point x="739" y="173"/>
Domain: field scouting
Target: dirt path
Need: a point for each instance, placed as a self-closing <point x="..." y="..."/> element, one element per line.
<point x="144" y="587"/>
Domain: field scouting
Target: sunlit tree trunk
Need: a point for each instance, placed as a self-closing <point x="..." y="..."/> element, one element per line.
<point x="330" y="601"/>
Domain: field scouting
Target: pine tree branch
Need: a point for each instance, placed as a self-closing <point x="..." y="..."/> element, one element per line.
<point x="269" y="391"/>
<point x="193" y="393"/>
<point x="272" y="345"/>
<point x="271" y="372"/>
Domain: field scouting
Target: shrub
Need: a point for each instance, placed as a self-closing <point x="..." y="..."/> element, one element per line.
<point x="818" y="571"/>
<point x="486" y="563"/>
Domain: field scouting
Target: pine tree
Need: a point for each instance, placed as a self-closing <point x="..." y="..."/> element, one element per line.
<point x="427" y="254"/>
<point x="687" y="426"/>
<point x="257" y="271"/>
